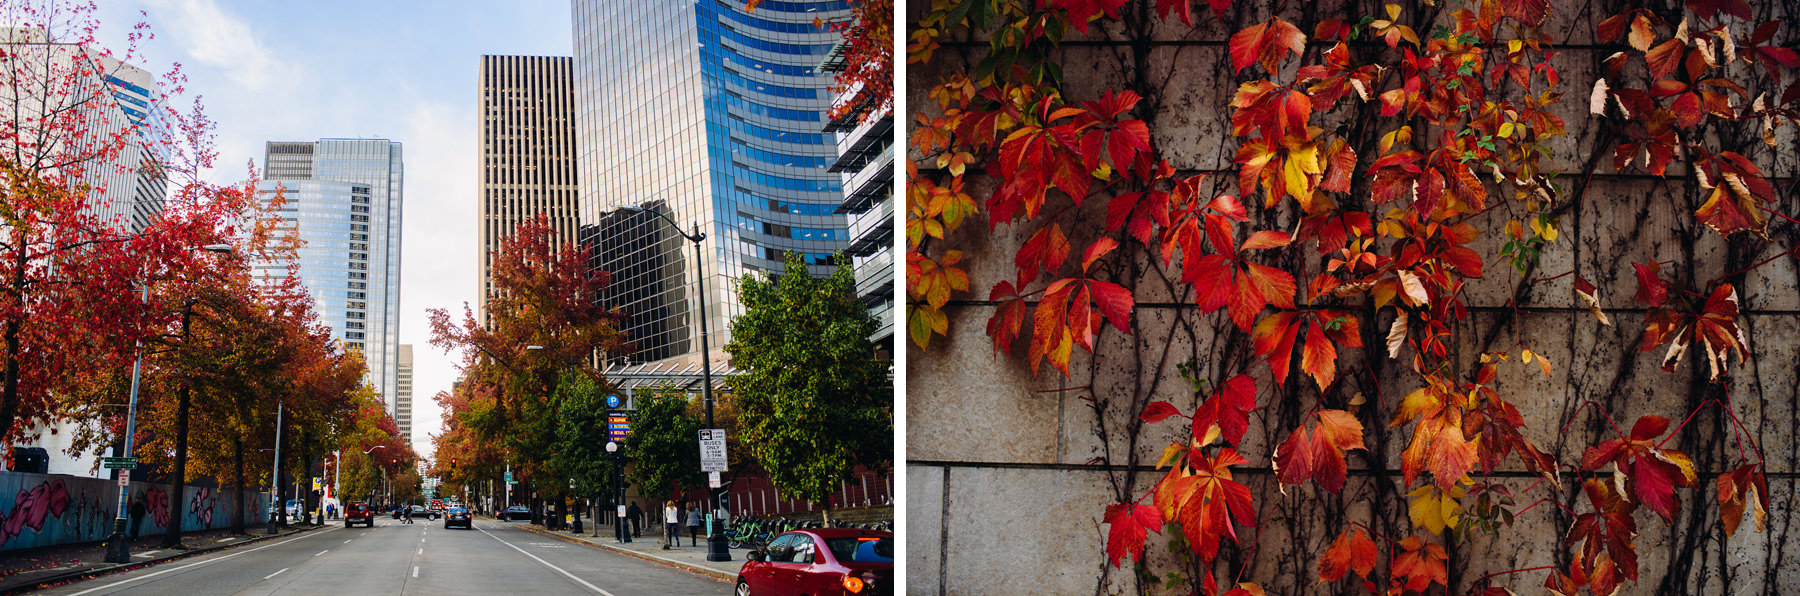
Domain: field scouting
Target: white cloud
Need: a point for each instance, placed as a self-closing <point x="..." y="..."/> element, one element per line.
<point x="214" y="38"/>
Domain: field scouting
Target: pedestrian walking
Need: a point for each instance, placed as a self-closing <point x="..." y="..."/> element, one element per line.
<point x="137" y="516"/>
<point x="636" y="516"/>
<point x="406" y="515"/>
<point x="694" y="526"/>
<point x="671" y="519"/>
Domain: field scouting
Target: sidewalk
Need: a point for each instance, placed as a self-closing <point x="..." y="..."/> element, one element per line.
<point x="27" y="570"/>
<point x="647" y="547"/>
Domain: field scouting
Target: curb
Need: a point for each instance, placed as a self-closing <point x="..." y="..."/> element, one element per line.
<point x="95" y="572"/>
<point x="685" y="566"/>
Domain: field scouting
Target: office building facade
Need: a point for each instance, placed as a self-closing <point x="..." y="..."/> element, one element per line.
<point x="865" y="142"/>
<point x="527" y="141"/>
<point x="403" y="392"/>
<point x="343" y="199"/>
<point x="713" y="115"/>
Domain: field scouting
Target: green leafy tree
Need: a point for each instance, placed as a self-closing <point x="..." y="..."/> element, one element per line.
<point x="814" y="402"/>
<point x="664" y="446"/>
<point x="581" y="439"/>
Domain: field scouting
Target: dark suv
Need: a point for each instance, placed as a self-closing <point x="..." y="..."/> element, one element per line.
<point x="358" y="512"/>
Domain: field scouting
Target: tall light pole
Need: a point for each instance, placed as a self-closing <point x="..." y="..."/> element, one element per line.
<point x="717" y="547"/>
<point x="118" y="548"/>
<point x="620" y="531"/>
<point x="366" y="452"/>
<point x="280" y="514"/>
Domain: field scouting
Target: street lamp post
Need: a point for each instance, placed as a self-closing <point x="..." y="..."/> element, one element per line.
<point x="620" y="531"/>
<point x="118" y="549"/>
<point x="366" y="452"/>
<point x="717" y="547"/>
<point x="280" y="515"/>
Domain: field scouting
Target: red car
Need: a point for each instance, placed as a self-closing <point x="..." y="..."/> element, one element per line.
<point x="820" y="562"/>
<point x="358" y="512"/>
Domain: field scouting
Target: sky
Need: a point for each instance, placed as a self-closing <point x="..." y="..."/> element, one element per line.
<point x="399" y="70"/>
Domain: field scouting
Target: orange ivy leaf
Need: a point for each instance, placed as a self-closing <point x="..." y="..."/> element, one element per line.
<point x="1205" y="500"/>
<point x="1130" y="524"/>
<point x="1420" y="564"/>
<point x="1266" y="43"/>
<point x="1319" y="454"/>
<point x="1008" y="318"/>
<point x="1352" y="551"/>
<point x="1745" y="487"/>
<point x="1274" y="337"/>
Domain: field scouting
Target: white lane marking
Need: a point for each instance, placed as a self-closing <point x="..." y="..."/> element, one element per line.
<point x="415" y="570"/>
<point x="188" y="566"/>
<point x="421" y="551"/>
<point x="421" y="540"/>
<point x="547" y="564"/>
<point x="323" y="552"/>
<point x="347" y="541"/>
<point x="275" y="573"/>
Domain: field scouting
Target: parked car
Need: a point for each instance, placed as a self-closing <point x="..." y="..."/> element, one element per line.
<point x="821" y="561"/>
<point x="358" y="512"/>
<point x="515" y="513"/>
<point x="457" y="516"/>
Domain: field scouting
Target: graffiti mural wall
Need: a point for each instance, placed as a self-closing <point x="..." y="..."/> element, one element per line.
<point x="47" y="509"/>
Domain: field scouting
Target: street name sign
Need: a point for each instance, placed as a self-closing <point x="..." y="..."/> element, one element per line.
<point x="119" y="463"/>
<point x="712" y="450"/>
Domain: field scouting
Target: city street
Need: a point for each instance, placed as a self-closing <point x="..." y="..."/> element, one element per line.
<point x="392" y="558"/>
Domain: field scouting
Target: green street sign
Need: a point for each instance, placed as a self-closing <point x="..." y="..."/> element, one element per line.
<point x="119" y="463"/>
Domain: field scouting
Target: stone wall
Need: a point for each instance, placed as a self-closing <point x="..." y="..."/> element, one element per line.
<point x="1008" y="474"/>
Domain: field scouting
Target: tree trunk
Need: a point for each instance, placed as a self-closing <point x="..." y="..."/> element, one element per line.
<point x="178" y="484"/>
<point x="9" y="388"/>
<point x="237" y="520"/>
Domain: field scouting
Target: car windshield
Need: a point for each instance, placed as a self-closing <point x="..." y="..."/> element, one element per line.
<point x="865" y="549"/>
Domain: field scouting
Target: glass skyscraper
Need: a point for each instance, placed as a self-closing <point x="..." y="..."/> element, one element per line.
<point x="715" y="116"/>
<point x="343" y="199"/>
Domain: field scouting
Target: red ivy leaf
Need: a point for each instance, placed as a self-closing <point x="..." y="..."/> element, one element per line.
<point x="1319" y="455"/>
<point x="1130" y="525"/>
<point x="1229" y="410"/>
<point x="1266" y="43"/>
<point x="1352" y="551"/>
<point x="1157" y="411"/>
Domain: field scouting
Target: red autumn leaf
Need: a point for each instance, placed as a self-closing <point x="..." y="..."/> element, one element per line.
<point x="1180" y="8"/>
<point x="1665" y="58"/>
<point x="1008" y="317"/>
<point x="1745" y="487"/>
<point x="1265" y="43"/>
<point x="1529" y="12"/>
<point x="1157" y="411"/>
<point x="1205" y="500"/>
<point x="1705" y="9"/>
<point x="1120" y="141"/>
<point x="1319" y="454"/>
<point x="1352" y="551"/>
<point x="1605" y="536"/>
<point x="1222" y="280"/>
<point x="1130" y="524"/>
<point x="1652" y="290"/>
<point x="1099" y="248"/>
<point x="1229" y="410"/>
<point x="1420" y="564"/>
<point x="1046" y="249"/>
<point x="1138" y="213"/>
<point x="1654" y="473"/>
<point x="1729" y="210"/>
<point x="1274" y="337"/>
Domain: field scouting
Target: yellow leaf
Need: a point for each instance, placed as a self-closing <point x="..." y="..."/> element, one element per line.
<point x="1171" y="454"/>
<point x="1393" y="11"/>
<point x="1506" y="130"/>
<point x="1434" y="510"/>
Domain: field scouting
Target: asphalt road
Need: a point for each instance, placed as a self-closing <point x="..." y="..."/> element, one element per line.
<point x="391" y="558"/>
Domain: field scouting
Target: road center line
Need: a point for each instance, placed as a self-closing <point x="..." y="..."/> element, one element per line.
<point x="415" y="570"/>
<point x="188" y="566"/>
<point x="275" y="573"/>
<point x="323" y="552"/>
<point x="421" y="551"/>
<point x="571" y="576"/>
<point x="348" y="541"/>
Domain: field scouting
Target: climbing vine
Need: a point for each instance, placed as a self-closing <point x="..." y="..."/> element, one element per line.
<point x="1379" y="163"/>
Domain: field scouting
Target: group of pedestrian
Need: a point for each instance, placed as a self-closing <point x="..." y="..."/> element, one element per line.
<point x="673" y="514"/>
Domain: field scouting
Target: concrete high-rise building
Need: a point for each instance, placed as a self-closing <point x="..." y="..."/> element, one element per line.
<point x="527" y="137"/>
<point x="865" y="140"/>
<point x="712" y="115"/>
<point x="344" y="199"/>
<point x="403" y="394"/>
<point x="91" y="100"/>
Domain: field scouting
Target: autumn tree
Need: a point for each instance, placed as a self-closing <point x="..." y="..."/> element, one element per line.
<point x="813" y="400"/>
<point x="663" y="447"/>
<point x="1383" y="174"/>
<point x="67" y="268"/>
<point x="543" y="320"/>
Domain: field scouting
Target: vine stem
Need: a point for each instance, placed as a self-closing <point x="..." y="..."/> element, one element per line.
<point x="1777" y="257"/>
<point x="1778" y="214"/>
<point x="1584" y="405"/>
<point x="1554" y="277"/>
<point x="1508" y="572"/>
<point x="1541" y="501"/>
<point x="1374" y="533"/>
<point x="1684" y="422"/>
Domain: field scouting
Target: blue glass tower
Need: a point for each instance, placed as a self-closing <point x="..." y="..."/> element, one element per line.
<point x="714" y="115"/>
